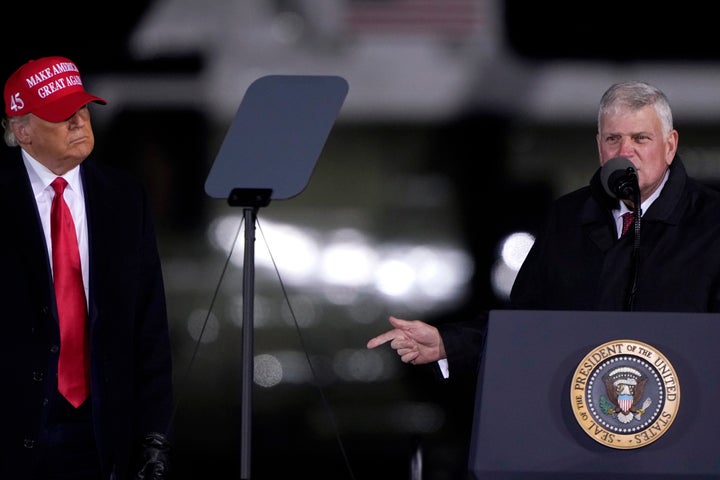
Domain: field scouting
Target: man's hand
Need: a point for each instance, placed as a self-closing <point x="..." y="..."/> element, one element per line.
<point x="155" y="457"/>
<point x="415" y="341"/>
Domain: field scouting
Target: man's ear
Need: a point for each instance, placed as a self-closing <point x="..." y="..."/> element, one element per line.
<point x="21" y="131"/>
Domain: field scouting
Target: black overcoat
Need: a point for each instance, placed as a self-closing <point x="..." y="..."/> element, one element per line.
<point x="130" y="357"/>
<point x="578" y="263"/>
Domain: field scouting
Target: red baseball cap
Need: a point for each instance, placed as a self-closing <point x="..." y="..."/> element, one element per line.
<point x="48" y="87"/>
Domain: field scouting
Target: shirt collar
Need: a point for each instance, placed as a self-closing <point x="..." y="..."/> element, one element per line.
<point x="648" y="201"/>
<point x="41" y="177"/>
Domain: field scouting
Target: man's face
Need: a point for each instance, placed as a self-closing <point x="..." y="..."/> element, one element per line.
<point x="638" y="136"/>
<point x="60" y="146"/>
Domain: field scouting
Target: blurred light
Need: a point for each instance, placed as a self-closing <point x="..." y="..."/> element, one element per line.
<point x="442" y="271"/>
<point x="515" y="248"/>
<point x="347" y="267"/>
<point x="286" y="366"/>
<point x="424" y="273"/>
<point x="294" y="250"/>
<point x="203" y="327"/>
<point x="349" y="365"/>
<point x="267" y="370"/>
<point x="224" y="230"/>
<point x="513" y="251"/>
<point x="395" y="277"/>
<point x="502" y="278"/>
<point x="348" y="263"/>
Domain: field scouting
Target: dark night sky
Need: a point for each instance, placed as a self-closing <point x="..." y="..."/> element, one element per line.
<point x="95" y="36"/>
<point x="626" y="31"/>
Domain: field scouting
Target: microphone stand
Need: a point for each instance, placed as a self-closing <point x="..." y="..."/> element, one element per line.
<point x="637" y="210"/>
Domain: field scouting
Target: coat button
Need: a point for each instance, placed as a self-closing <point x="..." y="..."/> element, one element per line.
<point x="29" y="443"/>
<point x="38" y="376"/>
<point x="54" y="349"/>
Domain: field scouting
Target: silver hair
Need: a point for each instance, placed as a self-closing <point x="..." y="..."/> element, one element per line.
<point x="634" y="96"/>
<point x="9" y="135"/>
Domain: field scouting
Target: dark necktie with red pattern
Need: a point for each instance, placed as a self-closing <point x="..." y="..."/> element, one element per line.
<point x="628" y="219"/>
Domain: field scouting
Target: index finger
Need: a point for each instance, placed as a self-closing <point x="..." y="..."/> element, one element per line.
<point x="384" y="338"/>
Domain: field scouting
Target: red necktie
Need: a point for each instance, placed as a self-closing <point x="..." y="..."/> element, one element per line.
<point x="73" y="365"/>
<point x="628" y="219"/>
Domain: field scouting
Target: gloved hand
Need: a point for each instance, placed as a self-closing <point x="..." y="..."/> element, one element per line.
<point x="154" y="457"/>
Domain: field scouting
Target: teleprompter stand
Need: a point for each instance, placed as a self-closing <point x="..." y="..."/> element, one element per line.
<point x="269" y="153"/>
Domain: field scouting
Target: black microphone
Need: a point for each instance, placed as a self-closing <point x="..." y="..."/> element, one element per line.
<point x="619" y="178"/>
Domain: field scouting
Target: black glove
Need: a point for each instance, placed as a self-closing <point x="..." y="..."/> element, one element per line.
<point x="154" y="457"/>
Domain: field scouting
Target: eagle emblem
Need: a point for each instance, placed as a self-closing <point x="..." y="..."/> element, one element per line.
<point x="624" y="387"/>
<point x="625" y="394"/>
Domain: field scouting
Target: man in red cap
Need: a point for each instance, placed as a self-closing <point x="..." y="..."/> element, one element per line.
<point x="92" y="399"/>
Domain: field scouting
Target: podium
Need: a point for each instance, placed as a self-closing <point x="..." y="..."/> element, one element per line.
<point x="526" y="423"/>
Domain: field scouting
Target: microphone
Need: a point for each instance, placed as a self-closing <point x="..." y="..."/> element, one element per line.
<point x="619" y="178"/>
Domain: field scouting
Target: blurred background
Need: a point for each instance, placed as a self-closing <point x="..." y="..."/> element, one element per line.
<point x="463" y="120"/>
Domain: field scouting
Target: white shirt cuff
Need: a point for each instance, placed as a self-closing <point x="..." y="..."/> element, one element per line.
<point x="444" y="367"/>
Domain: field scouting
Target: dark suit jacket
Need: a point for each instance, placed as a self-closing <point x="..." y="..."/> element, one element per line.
<point x="130" y="354"/>
<point x="578" y="263"/>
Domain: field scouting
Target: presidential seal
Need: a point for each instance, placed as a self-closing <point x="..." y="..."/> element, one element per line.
<point x="625" y="394"/>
